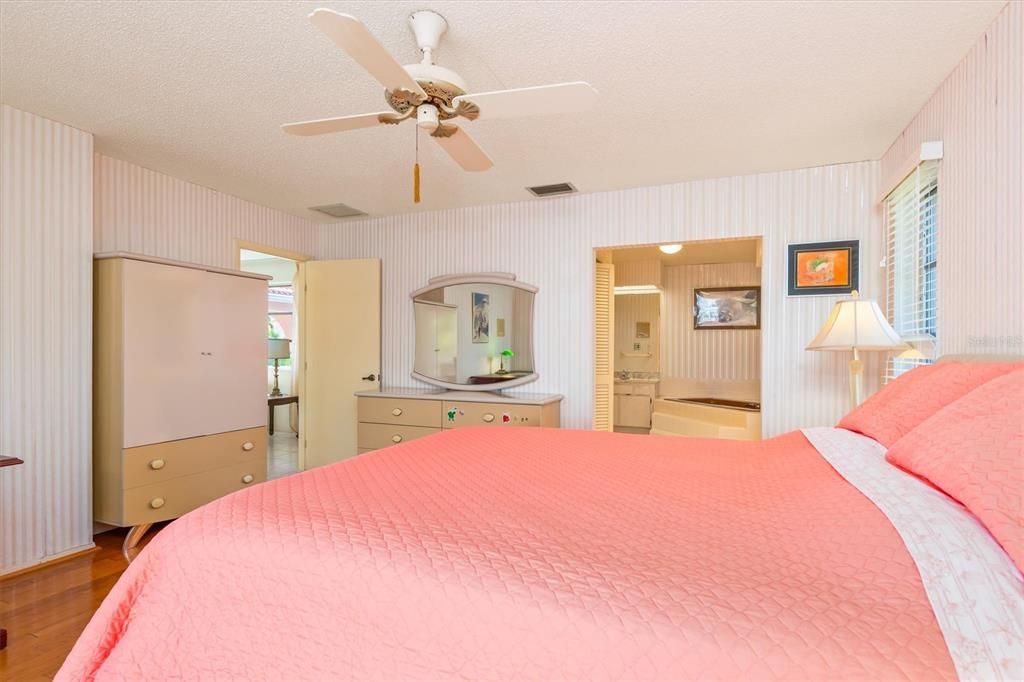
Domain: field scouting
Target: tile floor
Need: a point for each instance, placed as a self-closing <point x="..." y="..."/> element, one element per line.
<point x="282" y="454"/>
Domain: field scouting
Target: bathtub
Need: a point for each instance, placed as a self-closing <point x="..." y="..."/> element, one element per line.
<point x="706" y="418"/>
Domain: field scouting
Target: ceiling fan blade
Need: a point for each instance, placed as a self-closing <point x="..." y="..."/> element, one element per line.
<point x="465" y="151"/>
<point x="353" y="37"/>
<point x="333" y="125"/>
<point x="563" y="98"/>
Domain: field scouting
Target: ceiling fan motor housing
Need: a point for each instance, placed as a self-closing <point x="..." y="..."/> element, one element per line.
<point x="441" y="86"/>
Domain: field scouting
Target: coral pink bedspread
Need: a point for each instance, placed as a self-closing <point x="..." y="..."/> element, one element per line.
<point x="528" y="554"/>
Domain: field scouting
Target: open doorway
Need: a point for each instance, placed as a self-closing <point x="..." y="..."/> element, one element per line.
<point x="678" y="339"/>
<point x="282" y="346"/>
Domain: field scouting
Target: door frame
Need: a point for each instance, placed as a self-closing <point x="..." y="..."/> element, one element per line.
<point x="298" y="257"/>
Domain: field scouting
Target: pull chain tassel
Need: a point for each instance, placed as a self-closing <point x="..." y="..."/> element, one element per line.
<point x="416" y="184"/>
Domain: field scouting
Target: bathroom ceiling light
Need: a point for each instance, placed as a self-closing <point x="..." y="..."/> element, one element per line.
<point x="637" y="289"/>
<point x="670" y="248"/>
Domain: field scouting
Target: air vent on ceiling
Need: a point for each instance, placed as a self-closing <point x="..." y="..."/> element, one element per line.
<point x="552" y="190"/>
<point x="338" y="210"/>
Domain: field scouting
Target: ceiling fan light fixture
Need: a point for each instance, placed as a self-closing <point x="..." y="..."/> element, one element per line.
<point x="669" y="249"/>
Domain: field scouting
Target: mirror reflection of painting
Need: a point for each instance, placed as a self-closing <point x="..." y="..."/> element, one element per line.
<point x="474" y="333"/>
<point x="481" y="317"/>
<point x="727" y="308"/>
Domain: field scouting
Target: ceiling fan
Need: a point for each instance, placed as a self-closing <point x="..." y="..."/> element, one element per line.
<point x="433" y="94"/>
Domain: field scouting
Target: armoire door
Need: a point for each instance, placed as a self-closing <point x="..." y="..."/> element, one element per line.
<point x="164" y="319"/>
<point x="340" y="351"/>
<point x="235" y="347"/>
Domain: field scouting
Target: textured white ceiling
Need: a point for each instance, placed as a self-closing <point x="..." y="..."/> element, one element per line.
<point x="197" y="89"/>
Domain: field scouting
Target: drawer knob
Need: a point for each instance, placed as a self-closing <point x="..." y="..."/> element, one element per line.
<point x="397" y="411"/>
<point x="248" y="445"/>
<point x="248" y="478"/>
<point x="156" y="502"/>
<point x="156" y="464"/>
<point x="396" y="438"/>
<point x="488" y="417"/>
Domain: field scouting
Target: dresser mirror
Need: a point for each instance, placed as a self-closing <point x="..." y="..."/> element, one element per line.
<point x="474" y="332"/>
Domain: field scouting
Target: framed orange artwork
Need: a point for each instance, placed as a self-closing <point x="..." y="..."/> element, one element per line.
<point x="823" y="268"/>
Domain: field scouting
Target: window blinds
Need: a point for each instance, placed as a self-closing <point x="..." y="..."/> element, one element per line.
<point x="911" y="213"/>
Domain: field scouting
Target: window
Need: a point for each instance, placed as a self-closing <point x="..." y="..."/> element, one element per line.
<point x="911" y="214"/>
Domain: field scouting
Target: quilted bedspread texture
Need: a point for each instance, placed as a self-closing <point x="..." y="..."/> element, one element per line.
<point x="528" y="553"/>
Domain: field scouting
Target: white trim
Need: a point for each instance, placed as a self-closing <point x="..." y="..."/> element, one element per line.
<point x="474" y="278"/>
<point x="179" y="264"/>
<point x="519" y="381"/>
<point x="930" y="151"/>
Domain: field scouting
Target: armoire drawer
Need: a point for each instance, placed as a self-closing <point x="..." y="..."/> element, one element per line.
<point x="458" y="414"/>
<point x="165" y="461"/>
<point x="172" y="498"/>
<point x="399" y="411"/>
<point x="373" y="436"/>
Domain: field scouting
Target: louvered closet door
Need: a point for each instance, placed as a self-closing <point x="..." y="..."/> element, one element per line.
<point x="235" y="343"/>
<point x="164" y="316"/>
<point x="604" y="347"/>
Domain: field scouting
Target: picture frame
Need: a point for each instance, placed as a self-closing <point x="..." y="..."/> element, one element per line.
<point x="823" y="268"/>
<point x="480" y="330"/>
<point x="727" y="307"/>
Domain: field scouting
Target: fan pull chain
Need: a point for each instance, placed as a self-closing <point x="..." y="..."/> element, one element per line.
<point x="416" y="171"/>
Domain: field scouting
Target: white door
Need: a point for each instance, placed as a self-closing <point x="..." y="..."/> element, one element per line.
<point x="340" y="351"/>
<point x="164" y="332"/>
<point x="236" y="353"/>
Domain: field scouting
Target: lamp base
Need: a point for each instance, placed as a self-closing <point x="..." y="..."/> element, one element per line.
<point x="277" y="389"/>
<point x="856" y="379"/>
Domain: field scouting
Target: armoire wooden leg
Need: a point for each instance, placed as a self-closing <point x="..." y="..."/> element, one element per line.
<point x="133" y="538"/>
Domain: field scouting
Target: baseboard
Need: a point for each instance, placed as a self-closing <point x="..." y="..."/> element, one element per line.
<point x="49" y="561"/>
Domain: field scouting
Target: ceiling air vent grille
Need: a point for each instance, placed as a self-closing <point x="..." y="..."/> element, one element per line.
<point x="338" y="210"/>
<point x="552" y="190"/>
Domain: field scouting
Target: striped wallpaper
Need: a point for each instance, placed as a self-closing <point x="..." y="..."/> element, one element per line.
<point x="707" y="355"/>
<point x="45" y="338"/>
<point x="143" y="211"/>
<point x="48" y="230"/>
<point x="978" y="113"/>
<point x="550" y="243"/>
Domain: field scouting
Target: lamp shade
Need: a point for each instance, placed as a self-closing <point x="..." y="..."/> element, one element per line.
<point x="278" y="349"/>
<point x="856" y="325"/>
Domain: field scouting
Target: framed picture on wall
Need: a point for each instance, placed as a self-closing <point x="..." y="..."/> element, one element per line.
<point x="481" y="331"/>
<point x="727" y="308"/>
<point x="823" y="268"/>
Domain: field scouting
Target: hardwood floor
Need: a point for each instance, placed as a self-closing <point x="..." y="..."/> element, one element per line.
<point x="45" y="610"/>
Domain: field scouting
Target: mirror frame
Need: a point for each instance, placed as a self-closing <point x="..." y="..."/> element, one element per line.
<point x="505" y="278"/>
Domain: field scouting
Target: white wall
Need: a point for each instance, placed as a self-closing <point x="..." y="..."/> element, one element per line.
<point x="977" y="113"/>
<point x="142" y="211"/>
<point x="708" y="355"/>
<point x="45" y="338"/>
<point x="549" y="243"/>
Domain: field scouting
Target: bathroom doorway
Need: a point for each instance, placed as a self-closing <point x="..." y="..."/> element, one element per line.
<point x="678" y="338"/>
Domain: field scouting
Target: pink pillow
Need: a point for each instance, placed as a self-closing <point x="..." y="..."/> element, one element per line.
<point x="973" y="450"/>
<point x="906" y="402"/>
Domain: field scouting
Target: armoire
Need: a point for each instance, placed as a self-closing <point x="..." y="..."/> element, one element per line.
<point x="179" y="387"/>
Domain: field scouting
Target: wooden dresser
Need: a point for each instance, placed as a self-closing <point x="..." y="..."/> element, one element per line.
<point x="179" y="388"/>
<point x="388" y="417"/>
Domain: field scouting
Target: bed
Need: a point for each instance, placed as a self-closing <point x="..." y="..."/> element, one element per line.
<point x="519" y="553"/>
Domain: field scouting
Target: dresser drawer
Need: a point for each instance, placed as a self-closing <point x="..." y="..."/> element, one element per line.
<point x="172" y="498"/>
<point x="399" y="411"/>
<point x="373" y="436"/>
<point x="164" y="461"/>
<point x="458" y="414"/>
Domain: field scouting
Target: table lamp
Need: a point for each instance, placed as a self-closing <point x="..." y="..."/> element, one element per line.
<point x="277" y="350"/>
<point x="856" y="325"/>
